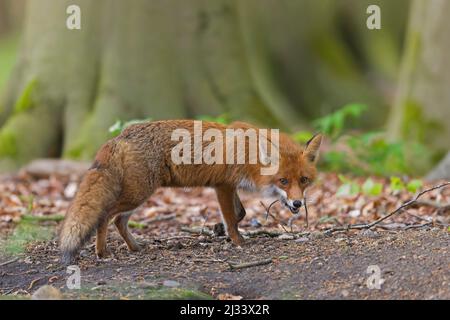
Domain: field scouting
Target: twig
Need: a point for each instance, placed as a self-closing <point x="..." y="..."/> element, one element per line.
<point x="8" y="262"/>
<point x="206" y="219"/>
<point x="417" y="217"/>
<point x="34" y="282"/>
<point x="249" y="233"/>
<point x="360" y="226"/>
<point x="281" y="223"/>
<point x="9" y="291"/>
<point x="290" y="222"/>
<point x="440" y="207"/>
<point x="306" y="211"/>
<point x="415" y="226"/>
<point x="407" y="204"/>
<point x="161" y="218"/>
<point x="268" y="208"/>
<point x="261" y="232"/>
<point x="208" y="260"/>
<point x="249" y="264"/>
<point x="177" y="237"/>
<point x="399" y="209"/>
<point x="204" y="231"/>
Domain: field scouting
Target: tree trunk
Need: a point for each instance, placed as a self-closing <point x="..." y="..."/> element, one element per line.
<point x="422" y="108"/>
<point x="11" y="15"/>
<point x="277" y="63"/>
<point x="4" y="16"/>
<point x="158" y="59"/>
<point x="442" y="170"/>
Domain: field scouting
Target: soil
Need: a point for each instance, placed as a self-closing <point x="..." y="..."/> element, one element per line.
<point x="414" y="264"/>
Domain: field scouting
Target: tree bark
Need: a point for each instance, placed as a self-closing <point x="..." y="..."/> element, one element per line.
<point x="442" y="170"/>
<point x="158" y="59"/>
<point x="4" y="16"/>
<point x="422" y="108"/>
<point x="276" y="63"/>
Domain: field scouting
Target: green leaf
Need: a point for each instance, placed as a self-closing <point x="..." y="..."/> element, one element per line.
<point x="348" y="189"/>
<point x="116" y="128"/>
<point x="25" y="101"/>
<point x="119" y="125"/>
<point x="302" y="136"/>
<point x="334" y="123"/>
<point x="343" y="178"/>
<point x="371" y="188"/>
<point x="397" y="184"/>
<point x="414" y="185"/>
<point x="223" y="118"/>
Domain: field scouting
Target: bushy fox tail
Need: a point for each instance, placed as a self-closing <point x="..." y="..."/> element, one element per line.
<point x="97" y="193"/>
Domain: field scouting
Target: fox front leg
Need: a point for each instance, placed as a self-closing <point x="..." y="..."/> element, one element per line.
<point x="227" y="200"/>
<point x="239" y="211"/>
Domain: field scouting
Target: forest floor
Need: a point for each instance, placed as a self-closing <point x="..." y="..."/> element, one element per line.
<point x="411" y="249"/>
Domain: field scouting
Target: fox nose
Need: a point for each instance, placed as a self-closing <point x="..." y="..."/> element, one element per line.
<point x="297" y="203"/>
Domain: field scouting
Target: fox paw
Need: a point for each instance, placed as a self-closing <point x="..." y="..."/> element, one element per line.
<point x="103" y="254"/>
<point x="238" y="241"/>
<point x="135" y="246"/>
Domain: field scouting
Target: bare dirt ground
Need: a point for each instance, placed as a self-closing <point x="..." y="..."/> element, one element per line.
<point x="411" y="248"/>
<point x="414" y="265"/>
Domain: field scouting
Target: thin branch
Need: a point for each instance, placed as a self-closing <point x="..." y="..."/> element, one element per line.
<point x="281" y="223"/>
<point x="407" y="204"/>
<point x="8" y="262"/>
<point x="204" y="231"/>
<point x="272" y="233"/>
<point x="208" y="260"/>
<point x="206" y="219"/>
<point x="268" y="208"/>
<point x="441" y="208"/>
<point x="34" y="282"/>
<point x="306" y="211"/>
<point x="399" y="209"/>
<point x="177" y="238"/>
<point x="429" y="219"/>
<point x="415" y="226"/>
<point x="163" y="217"/>
<point x="234" y="266"/>
<point x="249" y="233"/>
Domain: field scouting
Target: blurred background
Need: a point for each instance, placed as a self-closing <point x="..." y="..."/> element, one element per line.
<point x="380" y="96"/>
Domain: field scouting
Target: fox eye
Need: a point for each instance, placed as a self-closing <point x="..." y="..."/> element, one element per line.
<point x="284" y="181"/>
<point x="304" y="180"/>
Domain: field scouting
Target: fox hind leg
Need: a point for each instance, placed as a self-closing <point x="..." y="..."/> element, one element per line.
<point x="100" y="245"/>
<point x="121" y="222"/>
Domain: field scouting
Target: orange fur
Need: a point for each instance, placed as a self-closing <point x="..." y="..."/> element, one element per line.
<point x="130" y="167"/>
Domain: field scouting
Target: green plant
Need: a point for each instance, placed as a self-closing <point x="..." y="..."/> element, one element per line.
<point x="396" y="184"/>
<point x="372" y="188"/>
<point x="223" y="118"/>
<point x="120" y="125"/>
<point x="369" y="153"/>
<point x="333" y="124"/>
<point x="302" y="136"/>
<point x="348" y="187"/>
<point x="412" y="186"/>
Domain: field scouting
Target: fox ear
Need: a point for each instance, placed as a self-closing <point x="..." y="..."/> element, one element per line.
<point x="311" y="151"/>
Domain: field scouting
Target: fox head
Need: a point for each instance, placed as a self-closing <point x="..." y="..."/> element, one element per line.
<point x="297" y="170"/>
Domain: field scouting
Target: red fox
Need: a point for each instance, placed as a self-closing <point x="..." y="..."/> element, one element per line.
<point x="129" y="168"/>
